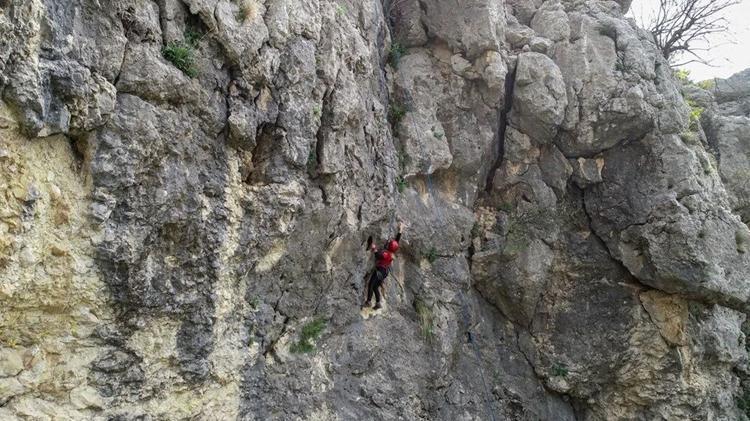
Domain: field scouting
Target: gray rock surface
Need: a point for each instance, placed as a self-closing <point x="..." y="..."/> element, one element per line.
<point x="726" y="121"/>
<point x="188" y="187"/>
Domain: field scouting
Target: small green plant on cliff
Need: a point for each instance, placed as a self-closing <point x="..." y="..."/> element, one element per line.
<point x="621" y="65"/>
<point x="396" y="112"/>
<point x="402" y="159"/>
<point x="696" y="111"/>
<point x="431" y="255"/>
<point x="559" y="370"/>
<point x="401" y="184"/>
<point x="310" y="332"/>
<point x="707" y="84"/>
<point x="395" y="53"/>
<point x="683" y="76"/>
<point x="517" y="239"/>
<point x="425" y="316"/>
<point x="437" y="133"/>
<point x="689" y="138"/>
<point x="475" y="229"/>
<point x="182" y="55"/>
<point x="193" y="37"/>
<point x="254" y="303"/>
<point x="312" y="161"/>
<point x="706" y="165"/>
<point x="506" y="207"/>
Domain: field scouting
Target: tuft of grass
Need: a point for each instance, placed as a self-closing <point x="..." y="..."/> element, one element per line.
<point x="506" y="207"/>
<point x="683" y="76"/>
<point x="310" y="332"/>
<point x="438" y="134"/>
<point x="396" y="52"/>
<point x="707" y="85"/>
<point x="559" y="370"/>
<point x="689" y="138"/>
<point x="621" y="65"/>
<point x="312" y="161"/>
<point x="193" y="37"/>
<point x="401" y="184"/>
<point x="696" y="111"/>
<point x="397" y="112"/>
<point x="426" y="325"/>
<point x="182" y="56"/>
<point x="431" y="255"/>
<point x="475" y="230"/>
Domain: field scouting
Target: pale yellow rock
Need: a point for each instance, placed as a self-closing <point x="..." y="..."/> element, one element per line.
<point x="7" y="415"/>
<point x="83" y="397"/>
<point x="37" y="370"/>
<point x="10" y="387"/>
<point x="270" y="260"/>
<point x="11" y="362"/>
<point x="669" y="313"/>
<point x="54" y="192"/>
<point x="40" y="409"/>
<point x="19" y="192"/>
<point x="27" y="257"/>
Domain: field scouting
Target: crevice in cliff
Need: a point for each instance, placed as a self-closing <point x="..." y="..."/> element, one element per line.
<point x="80" y="150"/>
<point x="503" y="121"/>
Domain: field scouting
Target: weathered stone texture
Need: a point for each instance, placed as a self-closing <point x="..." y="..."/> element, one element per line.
<point x="172" y="233"/>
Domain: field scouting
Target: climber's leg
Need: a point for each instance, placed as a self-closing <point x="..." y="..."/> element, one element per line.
<point x="371" y="286"/>
<point x="377" y="295"/>
<point x="380" y="281"/>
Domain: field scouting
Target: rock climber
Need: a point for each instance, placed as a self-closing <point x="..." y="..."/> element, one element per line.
<point x="383" y="260"/>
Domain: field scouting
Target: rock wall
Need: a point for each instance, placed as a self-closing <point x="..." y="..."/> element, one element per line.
<point x="188" y="187"/>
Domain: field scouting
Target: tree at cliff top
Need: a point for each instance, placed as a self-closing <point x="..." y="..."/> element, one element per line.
<point x="679" y="26"/>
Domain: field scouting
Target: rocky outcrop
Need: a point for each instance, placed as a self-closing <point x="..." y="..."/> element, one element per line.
<point x="188" y="187"/>
<point x="727" y="105"/>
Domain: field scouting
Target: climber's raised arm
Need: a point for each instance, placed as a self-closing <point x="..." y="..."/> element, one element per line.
<point x="401" y="227"/>
<point x="383" y="261"/>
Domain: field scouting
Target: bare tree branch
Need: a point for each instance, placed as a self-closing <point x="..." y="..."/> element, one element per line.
<point x="678" y="24"/>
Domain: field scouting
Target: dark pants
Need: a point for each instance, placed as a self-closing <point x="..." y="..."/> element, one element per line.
<point x="376" y="281"/>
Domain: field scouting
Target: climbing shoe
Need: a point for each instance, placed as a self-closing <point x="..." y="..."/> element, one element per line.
<point x="377" y="306"/>
<point x="366" y="304"/>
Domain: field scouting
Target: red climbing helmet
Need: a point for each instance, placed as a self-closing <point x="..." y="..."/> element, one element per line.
<point x="393" y="246"/>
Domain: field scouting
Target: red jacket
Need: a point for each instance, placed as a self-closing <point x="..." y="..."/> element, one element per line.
<point x="383" y="259"/>
<point x="384" y="256"/>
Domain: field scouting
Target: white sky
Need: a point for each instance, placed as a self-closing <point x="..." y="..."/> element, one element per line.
<point x="729" y="54"/>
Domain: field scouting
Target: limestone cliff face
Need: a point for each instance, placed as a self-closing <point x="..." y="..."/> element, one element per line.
<point x="187" y="188"/>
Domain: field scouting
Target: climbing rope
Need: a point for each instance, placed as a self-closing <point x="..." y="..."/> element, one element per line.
<point x="470" y="339"/>
<point x="464" y="307"/>
<point x="465" y="315"/>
